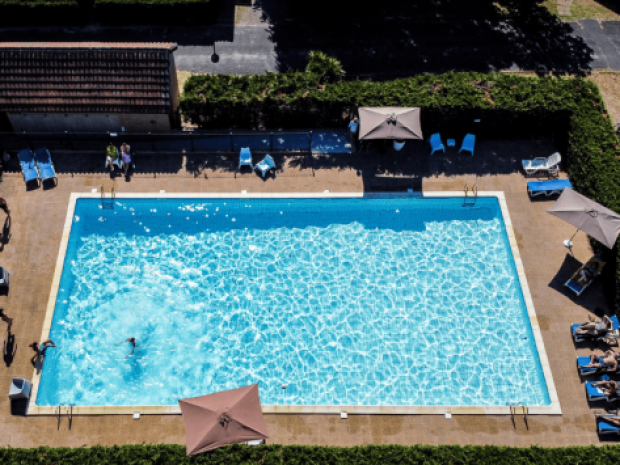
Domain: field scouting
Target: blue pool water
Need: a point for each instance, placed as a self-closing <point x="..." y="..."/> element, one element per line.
<point x="382" y="301"/>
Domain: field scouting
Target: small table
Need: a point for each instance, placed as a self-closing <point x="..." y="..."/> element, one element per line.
<point x="451" y="143"/>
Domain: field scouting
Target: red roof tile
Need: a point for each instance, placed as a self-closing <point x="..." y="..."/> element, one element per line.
<point x="87" y="77"/>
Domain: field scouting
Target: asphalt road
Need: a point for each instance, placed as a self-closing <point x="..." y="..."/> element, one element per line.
<point x="381" y="49"/>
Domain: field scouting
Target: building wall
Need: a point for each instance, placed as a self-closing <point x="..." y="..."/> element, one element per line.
<point x="89" y="122"/>
<point x="144" y="123"/>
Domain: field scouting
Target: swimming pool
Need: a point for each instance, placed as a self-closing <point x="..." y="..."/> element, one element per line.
<point x="402" y="301"/>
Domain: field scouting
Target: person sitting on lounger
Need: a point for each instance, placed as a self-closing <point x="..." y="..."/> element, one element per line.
<point x="111" y="155"/>
<point x="609" y="388"/>
<point x="125" y="157"/>
<point x="596" y="328"/>
<point x="608" y="361"/>
<point x="587" y="273"/>
<point x="611" y="420"/>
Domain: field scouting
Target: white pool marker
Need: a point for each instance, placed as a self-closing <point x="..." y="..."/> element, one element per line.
<point x="162" y="191"/>
<point x="244" y="192"/>
<point x="136" y="415"/>
<point x="448" y="415"/>
<point x="94" y="191"/>
<point x="344" y="415"/>
<point x="325" y="192"/>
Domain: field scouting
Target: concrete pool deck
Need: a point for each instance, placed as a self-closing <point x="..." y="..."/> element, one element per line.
<point x="38" y="220"/>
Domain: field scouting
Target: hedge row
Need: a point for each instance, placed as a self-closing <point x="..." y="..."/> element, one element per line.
<point x="570" y="110"/>
<point x="276" y="454"/>
<point x="112" y="12"/>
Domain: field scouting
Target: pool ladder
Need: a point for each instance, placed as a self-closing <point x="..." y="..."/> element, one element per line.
<point x="474" y="191"/>
<point x="69" y="415"/>
<point x="106" y="203"/>
<point x="516" y="409"/>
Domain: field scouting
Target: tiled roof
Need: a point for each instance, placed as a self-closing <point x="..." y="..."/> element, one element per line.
<point x="85" y="78"/>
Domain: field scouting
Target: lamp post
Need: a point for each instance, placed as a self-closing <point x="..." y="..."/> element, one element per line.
<point x="215" y="57"/>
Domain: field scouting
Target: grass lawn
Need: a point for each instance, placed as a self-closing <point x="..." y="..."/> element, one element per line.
<point x="582" y="9"/>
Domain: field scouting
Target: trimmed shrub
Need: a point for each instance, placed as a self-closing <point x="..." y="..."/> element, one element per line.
<point x="165" y="454"/>
<point x="114" y="12"/>
<point x="571" y="111"/>
<point x="38" y="12"/>
<point x="186" y="12"/>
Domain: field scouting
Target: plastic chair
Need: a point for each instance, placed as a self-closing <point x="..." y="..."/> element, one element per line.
<point x="20" y="389"/>
<point x="265" y="165"/>
<point x="245" y="158"/>
<point x="469" y="143"/>
<point x="436" y="143"/>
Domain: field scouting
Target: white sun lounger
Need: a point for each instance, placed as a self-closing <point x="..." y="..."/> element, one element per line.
<point x="541" y="164"/>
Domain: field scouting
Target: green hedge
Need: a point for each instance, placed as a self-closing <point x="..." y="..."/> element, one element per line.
<point x="39" y="12"/>
<point x="186" y="12"/>
<point x="570" y="110"/>
<point x="111" y="12"/>
<point x="275" y="455"/>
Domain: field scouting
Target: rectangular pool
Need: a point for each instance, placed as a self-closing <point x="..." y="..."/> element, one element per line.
<point x="403" y="301"/>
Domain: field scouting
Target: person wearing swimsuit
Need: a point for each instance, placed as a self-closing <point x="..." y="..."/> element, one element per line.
<point x="596" y="328"/>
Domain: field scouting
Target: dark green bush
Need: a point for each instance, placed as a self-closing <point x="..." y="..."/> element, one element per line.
<point x="571" y="111"/>
<point x="164" y="12"/>
<point x="116" y="12"/>
<point x="279" y="455"/>
<point x="38" y="12"/>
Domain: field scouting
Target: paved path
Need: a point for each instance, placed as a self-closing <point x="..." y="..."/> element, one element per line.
<point x="379" y="49"/>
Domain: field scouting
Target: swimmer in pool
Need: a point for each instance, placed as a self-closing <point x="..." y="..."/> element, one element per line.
<point x="132" y="341"/>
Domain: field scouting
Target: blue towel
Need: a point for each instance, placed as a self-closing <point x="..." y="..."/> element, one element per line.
<point x="555" y="185"/>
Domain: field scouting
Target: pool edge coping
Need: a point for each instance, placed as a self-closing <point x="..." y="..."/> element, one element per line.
<point x="552" y="409"/>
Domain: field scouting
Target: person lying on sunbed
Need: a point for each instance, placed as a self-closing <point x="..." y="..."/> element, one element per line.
<point x="587" y="273"/>
<point x="596" y="328"/>
<point x="609" y="388"/>
<point x="611" y="420"/>
<point x="608" y="361"/>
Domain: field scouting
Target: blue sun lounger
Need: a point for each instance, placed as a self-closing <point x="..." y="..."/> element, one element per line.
<point x="29" y="168"/>
<point x="436" y="143"/>
<point x="604" y="427"/>
<point x="555" y="186"/>
<point x="45" y="164"/>
<point x="583" y="371"/>
<point x="595" y="394"/>
<point x="469" y="142"/>
<point x="613" y="334"/>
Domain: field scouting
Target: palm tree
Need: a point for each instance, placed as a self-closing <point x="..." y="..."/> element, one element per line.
<point x="326" y="67"/>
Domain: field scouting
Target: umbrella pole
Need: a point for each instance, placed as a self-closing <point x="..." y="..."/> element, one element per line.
<point x="569" y="243"/>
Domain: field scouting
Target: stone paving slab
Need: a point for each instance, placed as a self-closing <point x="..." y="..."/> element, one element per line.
<point x="37" y="221"/>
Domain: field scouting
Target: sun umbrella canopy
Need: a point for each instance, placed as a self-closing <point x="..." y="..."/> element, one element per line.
<point x="390" y="123"/>
<point x="227" y="417"/>
<point x="595" y="220"/>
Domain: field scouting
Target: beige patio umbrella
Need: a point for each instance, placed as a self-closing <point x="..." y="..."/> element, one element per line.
<point x="398" y="123"/>
<point x="588" y="216"/>
<point x="222" y="418"/>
